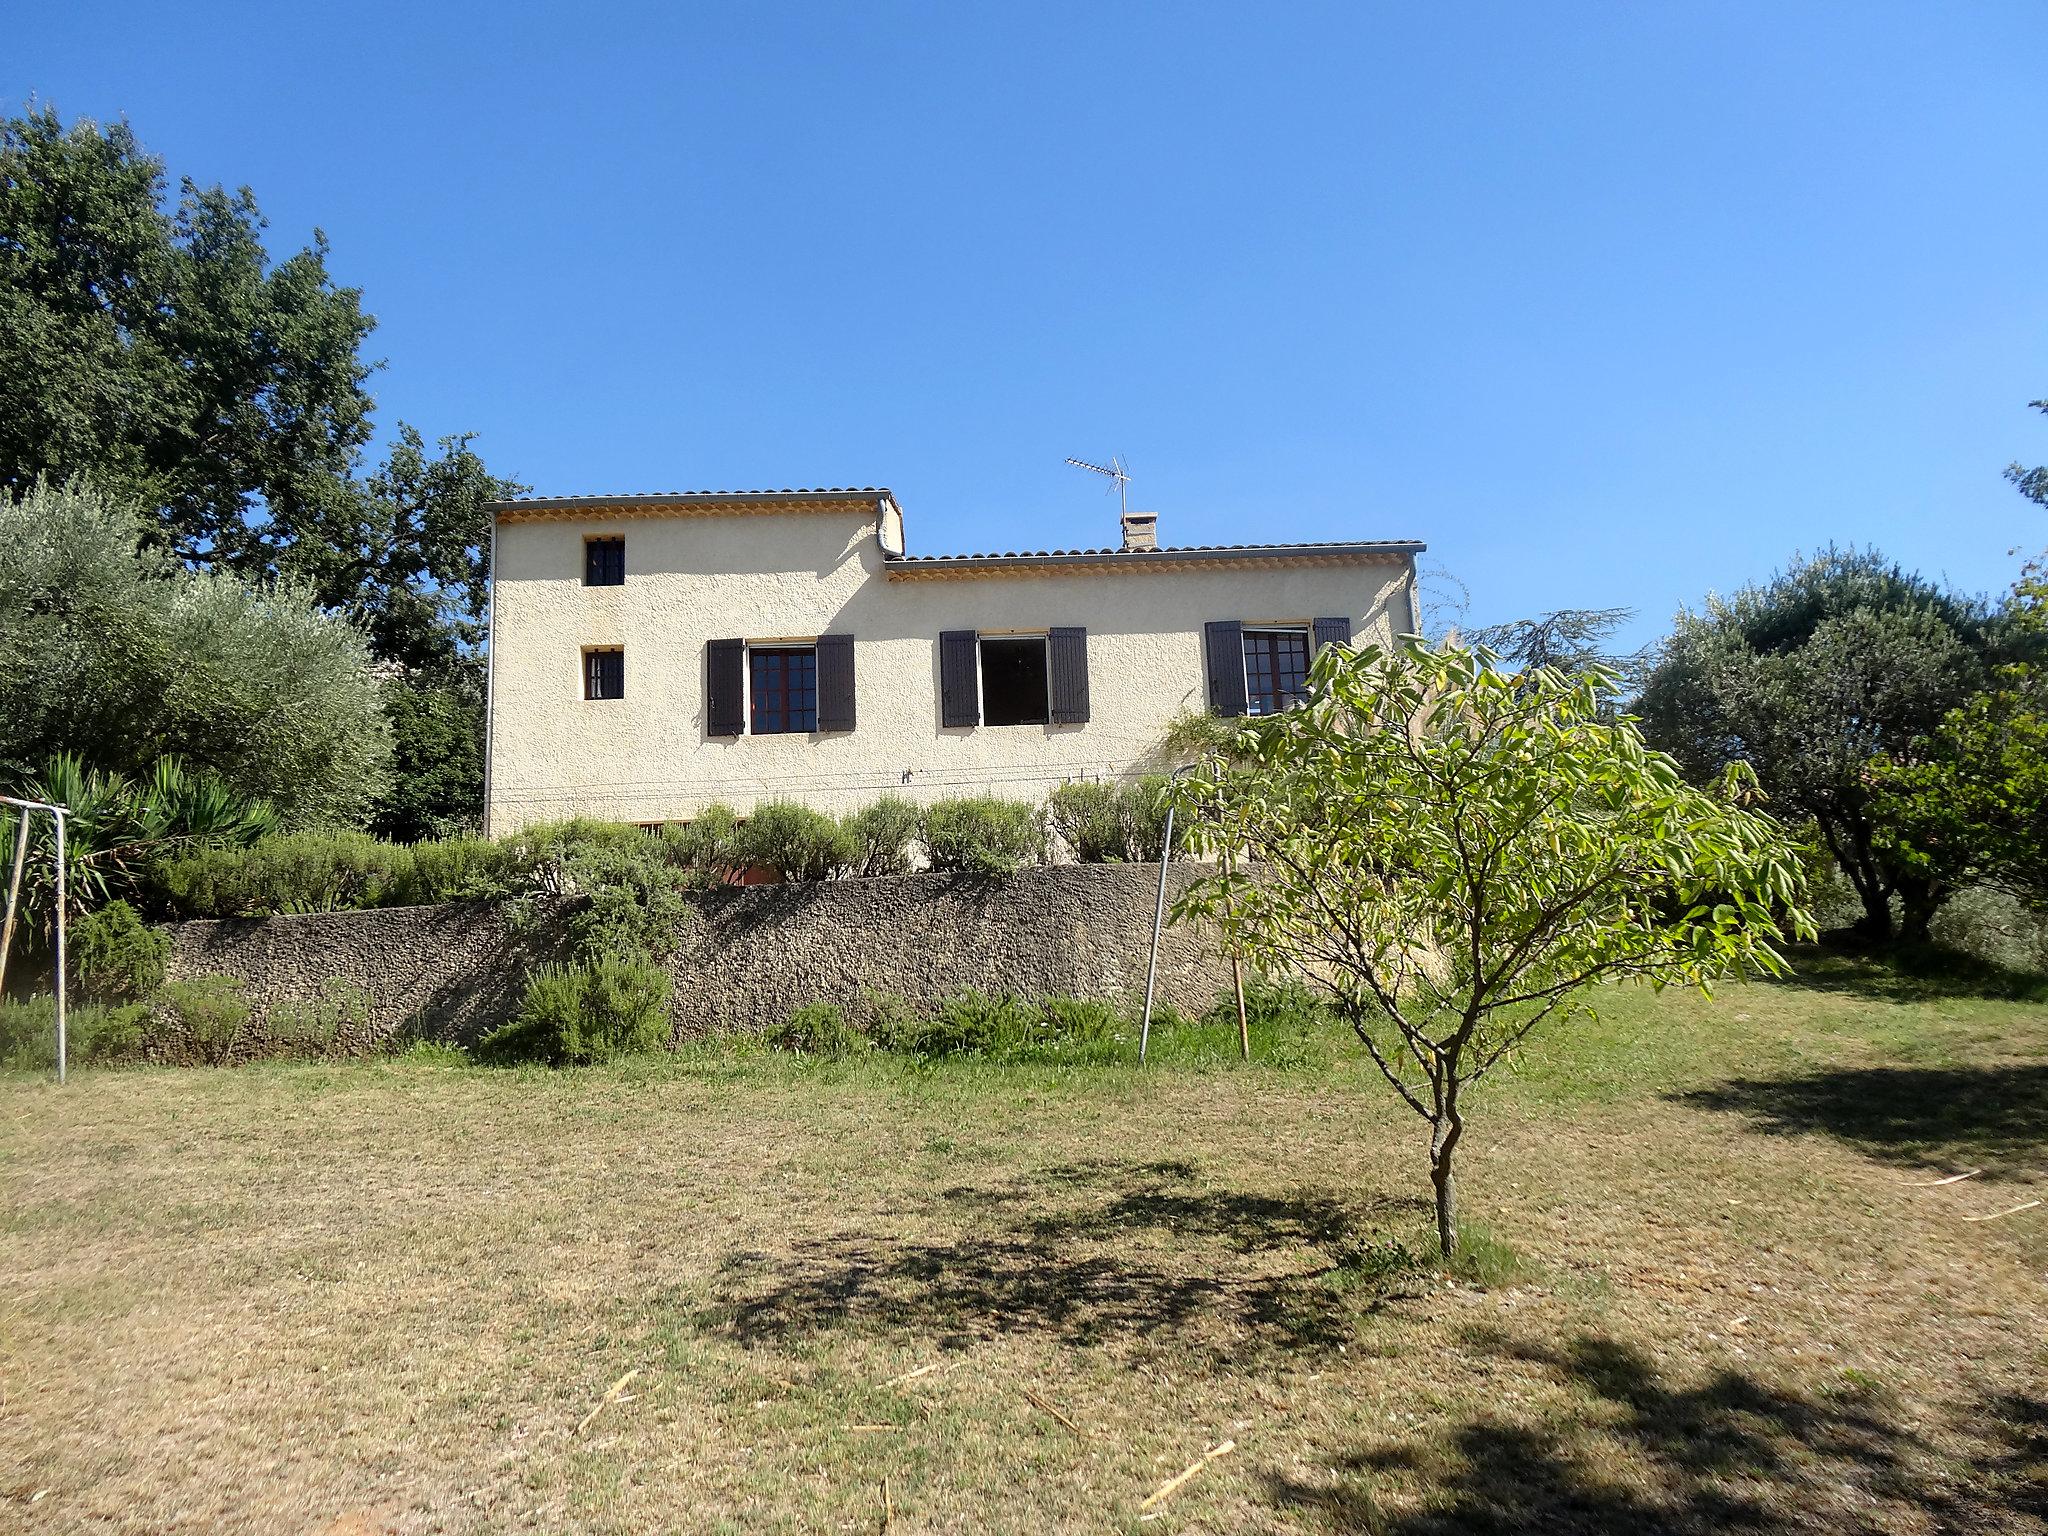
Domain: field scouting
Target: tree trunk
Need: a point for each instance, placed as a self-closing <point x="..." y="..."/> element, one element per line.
<point x="1919" y="900"/>
<point x="1443" y="1145"/>
<point x="1876" y="921"/>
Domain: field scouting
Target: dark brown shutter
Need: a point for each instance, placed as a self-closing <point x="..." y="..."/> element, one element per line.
<point x="835" y="682"/>
<point x="1332" y="632"/>
<point x="1224" y="639"/>
<point x="725" y="690"/>
<point x="1068" y="656"/>
<point x="959" y="701"/>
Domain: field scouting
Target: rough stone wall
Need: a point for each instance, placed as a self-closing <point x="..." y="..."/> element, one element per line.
<point x="747" y="955"/>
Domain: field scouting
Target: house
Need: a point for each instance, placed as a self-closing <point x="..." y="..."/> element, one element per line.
<point x="654" y="654"/>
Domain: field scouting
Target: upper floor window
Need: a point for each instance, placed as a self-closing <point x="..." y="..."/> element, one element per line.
<point x="1275" y="669"/>
<point x="783" y="688"/>
<point x="604" y="674"/>
<point x="604" y="562"/>
<point x="1013" y="680"/>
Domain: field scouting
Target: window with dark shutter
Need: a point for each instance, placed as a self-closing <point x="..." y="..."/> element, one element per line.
<point x="604" y="562"/>
<point x="835" y="682"/>
<point x="959" y="696"/>
<point x="725" y="687"/>
<point x="1275" y="669"/>
<point x="1224" y="642"/>
<point x="1332" y="632"/>
<point x="1015" y="689"/>
<point x="604" y="674"/>
<point x="1068" y="657"/>
<point x="784" y="689"/>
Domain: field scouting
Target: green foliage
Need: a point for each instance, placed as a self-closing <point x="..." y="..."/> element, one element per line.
<point x="882" y="836"/>
<point x="983" y="836"/>
<point x="796" y="842"/>
<point x="210" y="1011"/>
<point x="1805" y="679"/>
<point x="1008" y="1028"/>
<point x="1456" y="854"/>
<point x="709" y="843"/>
<point x="577" y="1015"/>
<point x="437" y="758"/>
<point x="314" y="1026"/>
<point x="820" y="1029"/>
<point x="115" y="956"/>
<point x="1089" y="819"/>
<point x="118" y="655"/>
<point x="1144" y="805"/>
<point x="95" y="1034"/>
<point x="434" y="1054"/>
<point x="159" y="349"/>
<point x="335" y="872"/>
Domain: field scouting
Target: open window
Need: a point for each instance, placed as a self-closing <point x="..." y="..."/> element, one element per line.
<point x="604" y="673"/>
<point x="1015" y="680"/>
<point x="604" y="562"/>
<point x="1275" y="669"/>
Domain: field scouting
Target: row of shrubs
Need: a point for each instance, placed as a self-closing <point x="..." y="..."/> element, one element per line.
<point x="981" y="836"/>
<point x="204" y="1021"/>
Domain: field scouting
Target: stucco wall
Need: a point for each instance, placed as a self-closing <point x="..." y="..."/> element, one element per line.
<point x="796" y="575"/>
<point x="746" y="956"/>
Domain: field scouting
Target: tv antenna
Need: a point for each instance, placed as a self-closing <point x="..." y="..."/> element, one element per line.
<point x="1118" y="472"/>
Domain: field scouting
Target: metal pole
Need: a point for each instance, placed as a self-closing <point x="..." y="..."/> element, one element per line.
<point x="13" y="896"/>
<point x="1158" y="917"/>
<point x="60" y="948"/>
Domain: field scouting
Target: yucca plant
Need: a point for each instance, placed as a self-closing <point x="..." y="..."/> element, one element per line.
<point x="117" y="826"/>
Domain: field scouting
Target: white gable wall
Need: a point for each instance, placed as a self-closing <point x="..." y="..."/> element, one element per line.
<point x="796" y="575"/>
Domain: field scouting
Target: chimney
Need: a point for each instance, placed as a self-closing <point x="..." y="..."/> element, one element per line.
<point x="1141" y="530"/>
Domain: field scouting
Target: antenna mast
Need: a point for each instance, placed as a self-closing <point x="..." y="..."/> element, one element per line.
<point x="1117" y="471"/>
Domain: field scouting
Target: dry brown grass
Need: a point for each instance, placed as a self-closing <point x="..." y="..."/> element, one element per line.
<point x="382" y="1297"/>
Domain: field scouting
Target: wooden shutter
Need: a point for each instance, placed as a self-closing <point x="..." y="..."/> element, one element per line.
<point x="1224" y="640"/>
<point x="1067" y="658"/>
<point x="725" y="691"/>
<point x="959" y="699"/>
<point x="1332" y="632"/>
<point x="835" y="682"/>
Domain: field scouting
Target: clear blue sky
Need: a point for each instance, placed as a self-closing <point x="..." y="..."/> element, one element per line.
<point x="1612" y="304"/>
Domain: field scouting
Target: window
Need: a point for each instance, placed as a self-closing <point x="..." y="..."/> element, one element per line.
<point x="604" y="674"/>
<point x="1275" y="669"/>
<point x="1013" y="680"/>
<point x="604" y="562"/>
<point x="784" y="688"/>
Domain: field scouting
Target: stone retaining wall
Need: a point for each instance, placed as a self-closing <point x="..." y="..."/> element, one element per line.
<point x="747" y="955"/>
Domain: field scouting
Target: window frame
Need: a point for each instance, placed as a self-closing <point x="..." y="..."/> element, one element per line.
<point x="1253" y="698"/>
<point x="590" y="678"/>
<point x="590" y="541"/>
<point x="981" y="639"/>
<point x="784" y="648"/>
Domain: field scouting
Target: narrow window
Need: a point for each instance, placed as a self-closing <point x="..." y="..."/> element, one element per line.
<point x="1014" y="680"/>
<point x="1275" y="669"/>
<point x="604" y="562"/>
<point x="783" y="682"/>
<point x="604" y="674"/>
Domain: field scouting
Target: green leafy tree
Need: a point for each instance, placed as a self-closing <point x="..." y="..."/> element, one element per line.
<point x="436" y="787"/>
<point x="1806" y="678"/>
<point x="115" y="653"/>
<point x="2031" y="483"/>
<point x="1570" y="640"/>
<point x="1456" y="855"/>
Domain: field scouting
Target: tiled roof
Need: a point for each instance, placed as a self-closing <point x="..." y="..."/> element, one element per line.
<point x="801" y="490"/>
<point x="1379" y="546"/>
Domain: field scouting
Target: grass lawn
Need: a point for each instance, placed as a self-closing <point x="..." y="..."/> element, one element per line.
<point x="1714" y="1291"/>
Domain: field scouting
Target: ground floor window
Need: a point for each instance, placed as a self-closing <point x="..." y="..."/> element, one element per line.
<point x="1275" y="669"/>
<point x="1013" y="680"/>
<point x="783" y="686"/>
<point x="604" y="674"/>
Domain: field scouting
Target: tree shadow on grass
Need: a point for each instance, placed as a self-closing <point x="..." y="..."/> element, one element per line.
<point x="1920" y="973"/>
<point x="1092" y="1254"/>
<point x="1996" y="1116"/>
<point x="1729" y="1454"/>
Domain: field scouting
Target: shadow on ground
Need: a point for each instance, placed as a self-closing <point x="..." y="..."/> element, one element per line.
<point x="1905" y="973"/>
<point x="1996" y="1116"/>
<point x="1093" y="1253"/>
<point x="1730" y="1454"/>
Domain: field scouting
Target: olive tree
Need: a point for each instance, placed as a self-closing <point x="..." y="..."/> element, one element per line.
<point x="1456" y="854"/>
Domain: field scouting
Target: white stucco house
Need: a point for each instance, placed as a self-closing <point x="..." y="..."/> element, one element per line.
<point x="654" y="654"/>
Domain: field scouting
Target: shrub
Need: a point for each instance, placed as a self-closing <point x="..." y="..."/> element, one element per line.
<point x="94" y="1035"/>
<point x="820" y="1029"/>
<point x="453" y="869"/>
<point x="115" y="955"/>
<point x="882" y="834"/>
<point x="315" y="1026"/>
<point x="575" y="1015"/>
<point x="1144" y="800"/>
<point x="983" y="835"/>
<point x="434" y="1053"/>
<point x="297" y="872"/>
<point x="211" y="1011"/>
<point x="795" y="841"/>
<point x="972" y="1023"/>
<point x="709" y="842"/>
<point x="1089" y="819"/>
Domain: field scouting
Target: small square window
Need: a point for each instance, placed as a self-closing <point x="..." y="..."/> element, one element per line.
<point x="1013" y="680"/>
<point x="604" y="562"/>
<point x="1275" y="669"/>
<point x="604" y="674"/>
<point x="783" y="686"/>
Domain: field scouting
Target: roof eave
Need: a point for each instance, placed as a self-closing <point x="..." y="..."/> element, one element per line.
<point x="933" y="567"/>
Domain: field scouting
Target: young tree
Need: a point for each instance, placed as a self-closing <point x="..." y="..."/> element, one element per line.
<point x="1805" y="679"/>
<point x="1456" y="854"/>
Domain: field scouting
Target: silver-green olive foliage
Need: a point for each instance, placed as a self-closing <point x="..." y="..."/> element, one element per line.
<point x="1456" y="853"/>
